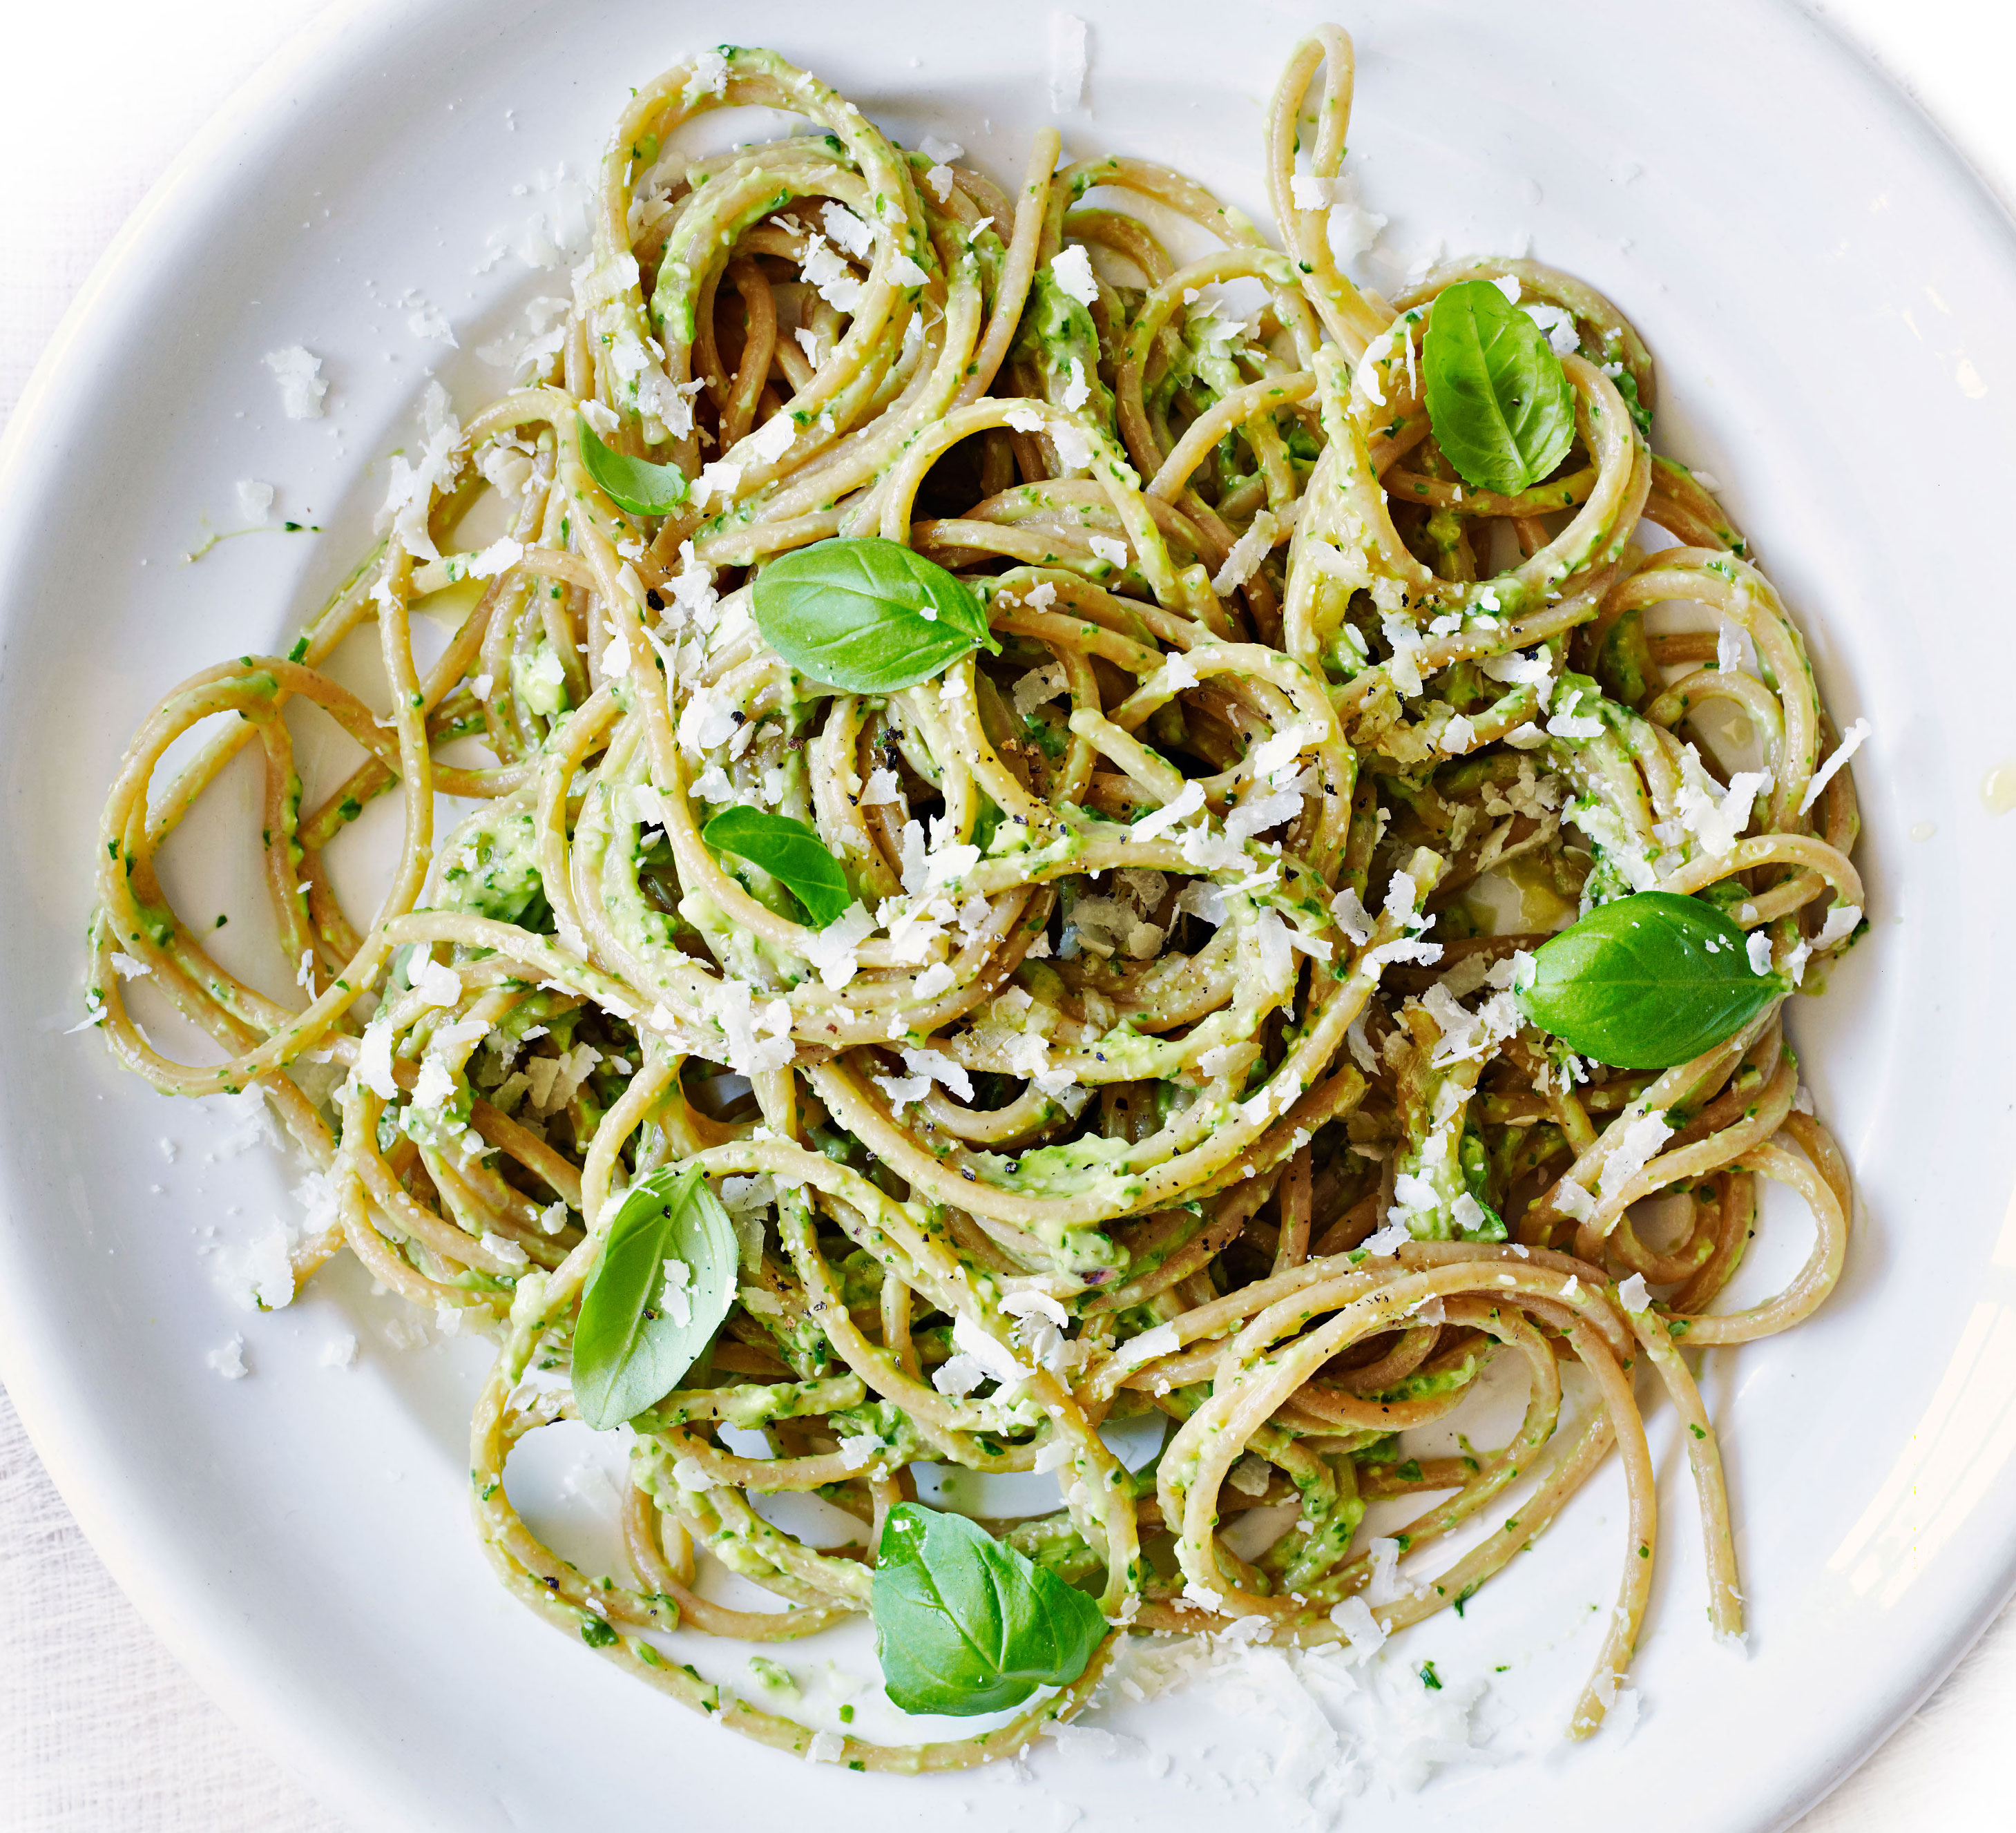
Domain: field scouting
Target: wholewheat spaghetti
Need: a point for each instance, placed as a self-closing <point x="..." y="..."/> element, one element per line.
<point x="1178" y="971"/>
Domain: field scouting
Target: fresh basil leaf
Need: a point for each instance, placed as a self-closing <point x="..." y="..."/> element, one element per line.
<point x="1647" y="981"/>
<point x="632" y="483"/>
<point x="964" y="1624"/>
<point x="866" y="617"/>
<point x="637" y="1332"/>
<point x="790" y="852"/>
<point x="1499" y="400"/>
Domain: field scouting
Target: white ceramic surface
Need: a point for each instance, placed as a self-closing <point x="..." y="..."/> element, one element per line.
<point x="1826" y="290"/>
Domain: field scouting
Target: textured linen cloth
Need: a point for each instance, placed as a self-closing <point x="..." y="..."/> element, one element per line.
<point x="100" y="1727"/>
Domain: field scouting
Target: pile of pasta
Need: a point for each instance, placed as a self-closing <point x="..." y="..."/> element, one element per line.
<point x="1167" y="1059"/>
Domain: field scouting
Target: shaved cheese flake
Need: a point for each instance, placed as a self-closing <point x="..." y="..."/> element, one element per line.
<point x="709" y="78"/>
<point x="374" y="1060"/>
<point x="1247" y="551"/>
<point x="848" y="229"/>
<point x="772" y="440"/>
<point x="1361" y="1628"/>
<point x="1639" y="1139"/>
<point x="1071" y="269"/>
<point x="1386" y="1586"/>
<point x="437" y="984"/>
<point x="1189" y="801"/>
<point x="1574" y="1201"/>
<point x="835" y="950"/>
<point x="940" y="1068"/>
<point x="1277" y="965"/>
<point x="1851" y="742"/>
<point x="1068" y="62"/>
<point x="1728" y="648"/>
<point x="299" y="373"/>
<point x="995" y="1358"/>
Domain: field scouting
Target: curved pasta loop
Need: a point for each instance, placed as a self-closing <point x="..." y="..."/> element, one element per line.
<point x="1165" y="1059"/>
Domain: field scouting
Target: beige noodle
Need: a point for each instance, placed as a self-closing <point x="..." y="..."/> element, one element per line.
<point x="1178" y="972"/>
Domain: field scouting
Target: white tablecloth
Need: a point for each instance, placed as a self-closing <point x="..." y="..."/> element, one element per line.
<point x="99" y="1726"/>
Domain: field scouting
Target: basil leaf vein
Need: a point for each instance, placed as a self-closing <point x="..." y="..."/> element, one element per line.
<point x="634" y="1339"/>
<point x="965" y="1624"/>
<point x="866" y="616"/>
<point x="790" y="852"/>
<point x="632" y="483"/>
<point x="1499" y="400"/>
<point x="1647" y="981"/>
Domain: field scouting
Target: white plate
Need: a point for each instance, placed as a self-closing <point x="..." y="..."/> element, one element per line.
<point x="1832" y="300"/>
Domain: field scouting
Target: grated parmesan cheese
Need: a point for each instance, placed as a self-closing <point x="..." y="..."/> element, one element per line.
<point x="1068" y="62"/>
<point x="1851" y="742"/>
<point x="1247" y="551"/>
<point x="1640" y="1138"/>
<point x="1071" y="269"/>
<point x="302" y="387"/>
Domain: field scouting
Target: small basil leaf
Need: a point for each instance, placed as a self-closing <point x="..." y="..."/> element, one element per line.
<point x="866" y="617"/>
<point x="1499" y="400"/>
<point x="1647" y="981"/>
<point x="965" y="1625"/>
<point x="635" y="484"/>
<point x="634" y="1337"/>
<point x="790" y="852"/>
